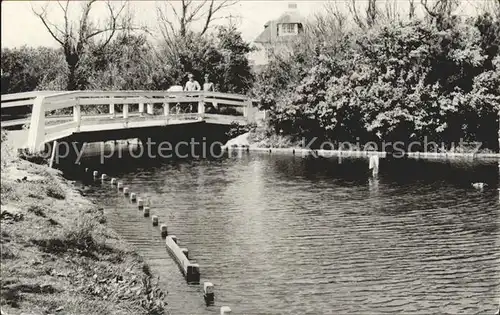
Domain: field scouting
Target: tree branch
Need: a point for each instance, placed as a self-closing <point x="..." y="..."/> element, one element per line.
<point x="113" y="27"/>
<point x="43" y="17"/>
<point x="213" y="10"/>
<point x="411" y="12"/>
<point x="355" y="15"/>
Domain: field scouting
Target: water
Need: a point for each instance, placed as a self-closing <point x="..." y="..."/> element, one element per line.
<point x="294" y="235"/>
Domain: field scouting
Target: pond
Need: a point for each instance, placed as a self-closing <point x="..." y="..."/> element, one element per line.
<point x="280" y="234"/>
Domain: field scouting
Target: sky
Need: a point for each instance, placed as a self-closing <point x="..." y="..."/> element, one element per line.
<point x="21" y="27"/>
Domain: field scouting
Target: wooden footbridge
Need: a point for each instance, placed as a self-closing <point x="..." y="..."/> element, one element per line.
<point x="54" y="115"/>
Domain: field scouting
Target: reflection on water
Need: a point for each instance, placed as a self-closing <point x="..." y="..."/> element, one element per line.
<point x="292" y="235"/>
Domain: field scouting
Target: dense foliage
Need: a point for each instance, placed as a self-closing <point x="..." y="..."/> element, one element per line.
<point x="402" y="81"/>
<point x="131" y="62"/>
<point x="27" y="69"/>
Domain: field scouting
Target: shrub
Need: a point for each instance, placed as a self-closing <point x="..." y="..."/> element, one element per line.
<point x="78" y="237"/>
<point x="236" y="129"/>
<point x="55" y="191"/>
<point x="398" y="82"/>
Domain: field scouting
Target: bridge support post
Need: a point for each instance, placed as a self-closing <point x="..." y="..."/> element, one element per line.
<point x="36" y="134"/>
<point x="150" y="109"/>
<point x="53" y="154"/>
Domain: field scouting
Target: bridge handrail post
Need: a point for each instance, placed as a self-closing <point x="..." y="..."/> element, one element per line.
<point x="141" y="109"/>
<point x="248" y="110"/>
<point x="112" y="107"/>
<point x="166" y="109"/>
<point x="77" y="113"/>
<point x="36" y="134"/>
<point x="201" y="108"/>
<point x="125" y="111"/>
<point x="150" y="109"/>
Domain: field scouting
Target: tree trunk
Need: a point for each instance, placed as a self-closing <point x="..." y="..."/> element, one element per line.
<point x="72" y="61"/>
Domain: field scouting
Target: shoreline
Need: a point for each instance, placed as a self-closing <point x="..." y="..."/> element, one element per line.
<point x="58" y="255"/>
<point x="244" y="142"/>
<point x="356" y="153"/>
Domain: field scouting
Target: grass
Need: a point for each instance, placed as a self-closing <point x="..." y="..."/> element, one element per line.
<point x="57" y="254"/>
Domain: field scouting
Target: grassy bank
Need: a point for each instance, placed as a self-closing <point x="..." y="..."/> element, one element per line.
<point x="57" y="254"/>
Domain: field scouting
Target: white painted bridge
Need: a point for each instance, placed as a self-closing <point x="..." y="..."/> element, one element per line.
<point x="59" y="114"/>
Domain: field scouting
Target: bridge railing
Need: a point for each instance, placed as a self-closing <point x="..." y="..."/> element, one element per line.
<point x="56" y="115"/>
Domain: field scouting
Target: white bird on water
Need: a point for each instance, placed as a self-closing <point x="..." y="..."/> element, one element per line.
<point x="479" y="185"/>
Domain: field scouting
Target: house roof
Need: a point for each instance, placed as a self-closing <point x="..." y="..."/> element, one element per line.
<point x="287" y="17"/>
<point x="290" y="17"/>
<point x="265" y="36"/>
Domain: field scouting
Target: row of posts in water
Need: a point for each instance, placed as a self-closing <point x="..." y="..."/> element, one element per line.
<point x="181" y="255"/>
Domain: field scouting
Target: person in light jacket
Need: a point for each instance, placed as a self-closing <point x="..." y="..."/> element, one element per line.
<point x="192" y="84"/>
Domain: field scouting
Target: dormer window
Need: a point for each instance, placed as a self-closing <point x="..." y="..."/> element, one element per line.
<point x="289" y="29"/>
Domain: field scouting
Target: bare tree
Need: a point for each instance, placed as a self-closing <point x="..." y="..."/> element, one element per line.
<point x="75" y="37"/>
<point x="439" y="9"/>
<point x="329" y="24"/>
<point x="391" y="12"/>
<point x="323" y="30"/>
<point x="411" y="11"/>
<point x="371" y="14"/>
<point x="490" y="6"/>
<point x="189" y="12"/>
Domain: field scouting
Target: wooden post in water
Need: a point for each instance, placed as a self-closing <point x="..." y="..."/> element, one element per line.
<point x="208" y="293"/>
<point x="164" y="230"/>
<point x="374" y="162"/>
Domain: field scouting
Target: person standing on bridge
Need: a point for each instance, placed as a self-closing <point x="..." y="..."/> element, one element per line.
<point x="209" y="87"/>
<point x="192" y="84"/>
